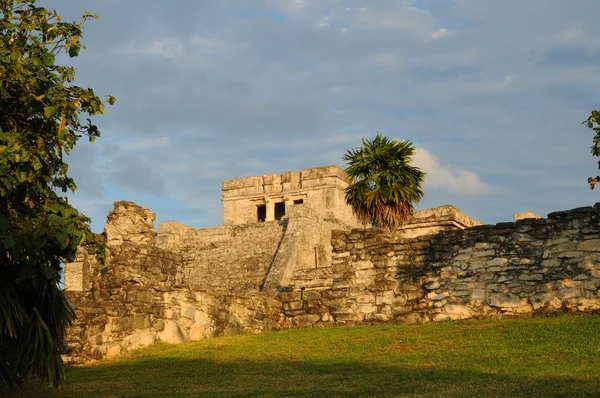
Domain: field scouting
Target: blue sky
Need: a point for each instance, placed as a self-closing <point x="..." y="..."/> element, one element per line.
<point x="491" y="92"/>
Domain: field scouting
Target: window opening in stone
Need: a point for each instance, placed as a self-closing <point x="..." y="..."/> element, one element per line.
<point x="261" y="213"/>
<point x="298" y="201"/>
<point x="279" y="210"/>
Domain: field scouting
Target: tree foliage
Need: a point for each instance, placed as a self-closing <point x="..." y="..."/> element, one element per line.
<point x="40" y="122"/>
<point x="384" y="185"/>
<point x="593" y="122"/>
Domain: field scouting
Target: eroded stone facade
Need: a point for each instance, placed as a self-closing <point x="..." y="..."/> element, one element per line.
<point x="269" y="197"/>
<point x="310" y="270"/>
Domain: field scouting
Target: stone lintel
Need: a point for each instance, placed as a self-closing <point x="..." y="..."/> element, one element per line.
<point x="447" y="215"/>
<point x="289" y="180"/>
<point x="292" y="194"/>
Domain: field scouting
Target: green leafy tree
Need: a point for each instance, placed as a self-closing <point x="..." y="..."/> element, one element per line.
<point x="383" y="185"/>
<point x="40" y="123"/>
<point x="593" y="122"/>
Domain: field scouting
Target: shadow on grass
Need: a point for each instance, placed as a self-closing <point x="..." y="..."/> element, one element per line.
<point x="177" y="377"/>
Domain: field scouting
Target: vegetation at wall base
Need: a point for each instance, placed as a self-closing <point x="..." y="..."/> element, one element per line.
<point x="40" y="124"/>
<point x="383" y="185"/>
<point x="555" y="356"/>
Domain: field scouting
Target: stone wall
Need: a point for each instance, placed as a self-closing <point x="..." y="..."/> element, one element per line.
<point x="228" y="258"/>
<point x="523" y="267"/>
<point x="365" y="275"/>
<point x="187" y="283"/>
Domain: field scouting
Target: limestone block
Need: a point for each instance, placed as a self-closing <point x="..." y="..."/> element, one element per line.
<point x="172" y="333"/>
<point x="463" y="257"/>
<point x="484" y="253"/>
<point x="366" y="308"/>
<point x="385" y="297"/>
<point x="505" y="301"/>
<point x="549" y="299"/>
<point x="530" y="277"/>
<point x="74" y="276"/>
<point x="476" y="264"/>
<point x="366" y="299"/>
<point x="433" y="296"/>
<point x="128" y="222"/>
<point x="497" y="261"/>
<point x="188" y="310"/>
<point x="129" y="323"/>
<point x="432" y="285"/>
<point x="462" y="311"/>
<point x="327" y="317"/>
<point x="112" y="350"/>
<point x="460" y="293"/>
<point x="363" y="265"/>
<point x="591" y="284"/>
<point x="570" y="254"/>
<point x="377" y="317"/>
<point x="569" y="293"/>
<point x="442" y="316"/>
<point x="551" y="264"/>
<point x="557" y="241"/>
<point x="140" y="339"/>
<point x="488" y="276"/>
<point x="525" y="215"/>
<point x="204" y="326"/>
<point x="589" y="245"/>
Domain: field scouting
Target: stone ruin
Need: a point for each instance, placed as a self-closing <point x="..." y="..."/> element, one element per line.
<point x="290" y="255"/>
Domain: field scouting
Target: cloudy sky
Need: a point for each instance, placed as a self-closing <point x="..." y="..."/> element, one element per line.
<point x="491" y="92"/>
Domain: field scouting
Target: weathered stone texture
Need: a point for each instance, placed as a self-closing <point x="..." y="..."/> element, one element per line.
<point x="189" y="284"/>
<point x="432" y="221"/>
<point x="322" y="188"/>
<point x="487" y="271"/>
<point x="228" y="258"/>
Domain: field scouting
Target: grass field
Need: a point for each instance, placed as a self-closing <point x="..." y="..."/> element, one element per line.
<point x="541" y="357"/>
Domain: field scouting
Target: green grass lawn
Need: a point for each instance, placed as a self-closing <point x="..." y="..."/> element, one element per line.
<point x="540" y="357"/>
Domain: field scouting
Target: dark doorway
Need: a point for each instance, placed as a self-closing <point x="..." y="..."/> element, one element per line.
<point x="279" y="210"/>
<point x="261" y="213"/>
<point x="298" y="201"/>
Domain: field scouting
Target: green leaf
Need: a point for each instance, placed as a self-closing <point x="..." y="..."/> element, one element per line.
<point x="63" y="239"/>
<point x="74" y="50"/>
<point x="54" y="219"/>
<point x="8" y="242"/>
<point x="49" y="111"/>
<point x="21" y="175"/>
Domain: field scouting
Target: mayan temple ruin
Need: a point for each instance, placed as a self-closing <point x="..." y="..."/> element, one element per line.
<point x="291" y="254"/>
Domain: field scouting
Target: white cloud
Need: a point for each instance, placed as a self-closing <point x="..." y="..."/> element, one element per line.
<point x="447" y="177"/>
<point x="324" y="22"/>
<point x="166" y="48"/>
<point x="572" y="35"/>
<point x="439" y="34"/>
<point x="400" y="17"/>
<point x="149" y="143"/>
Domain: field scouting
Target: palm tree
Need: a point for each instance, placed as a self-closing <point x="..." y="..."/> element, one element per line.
<point x="383" y="185"/>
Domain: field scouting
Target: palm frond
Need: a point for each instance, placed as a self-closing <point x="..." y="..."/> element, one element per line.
<point x="384" y="186"/>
